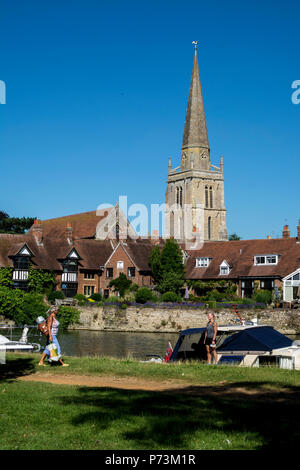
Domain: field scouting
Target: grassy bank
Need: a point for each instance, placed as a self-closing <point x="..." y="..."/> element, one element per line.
<point x="217" y="407"/>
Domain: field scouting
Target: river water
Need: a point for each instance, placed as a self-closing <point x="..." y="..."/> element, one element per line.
<point x="114" y="344"/>
<point x="117" y="344"/>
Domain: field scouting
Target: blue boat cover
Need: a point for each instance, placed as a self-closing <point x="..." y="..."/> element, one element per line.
<point x="263" y="338"/>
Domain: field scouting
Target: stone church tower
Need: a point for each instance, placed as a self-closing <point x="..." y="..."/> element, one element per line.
<point x="196" y="182"/>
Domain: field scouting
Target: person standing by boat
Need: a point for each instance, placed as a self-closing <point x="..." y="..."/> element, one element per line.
<point x="52" y="325"/>
<point x="210" y="338"/>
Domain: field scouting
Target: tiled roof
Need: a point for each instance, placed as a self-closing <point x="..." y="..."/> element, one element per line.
<point x="240" y="256"/>
<point x="83" y="225"/>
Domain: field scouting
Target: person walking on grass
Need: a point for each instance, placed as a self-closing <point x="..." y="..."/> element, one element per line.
<point x="51" y="331"/>
<point x="210" y="338"/>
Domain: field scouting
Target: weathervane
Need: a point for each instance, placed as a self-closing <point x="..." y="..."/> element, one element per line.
<point x="195" y="43"/>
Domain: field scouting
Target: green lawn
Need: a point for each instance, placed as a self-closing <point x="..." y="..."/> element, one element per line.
<point x="219" y="415"/>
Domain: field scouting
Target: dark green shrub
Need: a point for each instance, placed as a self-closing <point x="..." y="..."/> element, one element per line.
<point x="68" y="316"/>
<point x="21" y="307"/>
<point x="112" y="299"/>
<point x="170" y="297"/>
<point x="263" y="296"/>
<point x="143" y="295"/>
<point x="97" y="297"/>
<point x="82" y="299"/>
<point x="211" y="303"/>
<point x="56" y="294"/>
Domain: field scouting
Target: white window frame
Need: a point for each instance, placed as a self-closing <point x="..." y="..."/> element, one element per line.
<point x="202" y="262"/>
<point x="266" y="263"/>
<point x="120" y="264"/>
<point x="224" y="265"/>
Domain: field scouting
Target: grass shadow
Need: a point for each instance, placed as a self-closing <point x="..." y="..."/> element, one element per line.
<point x="178" y="419"/>
<point x="15" y="367"/>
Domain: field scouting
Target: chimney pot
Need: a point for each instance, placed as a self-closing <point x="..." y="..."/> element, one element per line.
<point x="286" y="232"/>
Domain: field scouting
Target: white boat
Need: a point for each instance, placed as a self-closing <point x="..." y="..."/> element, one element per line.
<point x="21" y="345"/>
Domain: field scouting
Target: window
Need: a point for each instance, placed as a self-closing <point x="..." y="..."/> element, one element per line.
<point x="265" y="259"/>
<point x="21" y="262"/>
<point x="206" y="196"/>
<point x="202" y="262"/>
<point x="120" y="264"/>
<point x="224" y="268"/>
<point x="131" y="272"/>
<point x="211" y="197"/>
<point x="89" y="276"/>
<point x="209" y="228"/>
<point x="88" y="290"/>
<point x="109" y="272"/>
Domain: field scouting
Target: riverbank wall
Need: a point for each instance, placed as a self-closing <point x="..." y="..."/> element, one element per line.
<point x="171" y="320"/>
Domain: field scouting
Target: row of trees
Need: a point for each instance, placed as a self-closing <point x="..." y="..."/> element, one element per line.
<point x="14" y="224"/>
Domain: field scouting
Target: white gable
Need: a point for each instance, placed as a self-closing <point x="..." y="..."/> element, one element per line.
<point x="25" y="251"/>
<point x="73" y="254"/>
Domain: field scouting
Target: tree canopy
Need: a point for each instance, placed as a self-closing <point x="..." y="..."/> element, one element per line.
<point x="167" y="267"/>
<point x="14" y="224"/>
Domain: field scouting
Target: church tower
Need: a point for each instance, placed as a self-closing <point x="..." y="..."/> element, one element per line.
<point x="196" y="182"/>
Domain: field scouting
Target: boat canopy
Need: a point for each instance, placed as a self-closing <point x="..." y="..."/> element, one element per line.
<point x="260" y="339"/>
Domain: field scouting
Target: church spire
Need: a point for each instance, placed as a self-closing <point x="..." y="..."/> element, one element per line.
<point x="195" y="131"/>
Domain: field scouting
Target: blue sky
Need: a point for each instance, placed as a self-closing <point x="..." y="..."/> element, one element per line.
<point x="97" y="94"/>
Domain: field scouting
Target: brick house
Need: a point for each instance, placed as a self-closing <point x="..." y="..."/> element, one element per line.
<point x="68" y="246"/>
<point x="268" y="263"/>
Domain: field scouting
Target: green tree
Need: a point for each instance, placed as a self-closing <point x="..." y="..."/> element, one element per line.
<point x="121" y="284"/>
<point x="155" y="264"/>
<point x="234" y="237"/>
<point x="6" y="277"/>
<point x="167" y="267"/>
<point x="14" y="224"/>
<point x="40" y="281"/>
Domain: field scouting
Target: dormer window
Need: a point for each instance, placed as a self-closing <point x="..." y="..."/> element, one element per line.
<point x="69" y="278"/>
<point x="21" y="264"/>
<point x="265" y="259"/>
<point x="202" y="262"/>
<point x="224" y="268"/>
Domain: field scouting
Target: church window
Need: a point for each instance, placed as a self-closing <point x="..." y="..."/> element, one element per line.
<point x="180" y="197"/>
<point x="206" y="196"/>
<point x="211" y="197"/>
<point x="177" y="195"/>
<point x="209" y="228"/>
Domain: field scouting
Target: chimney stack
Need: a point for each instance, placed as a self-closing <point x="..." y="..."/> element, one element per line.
<point x="37" y="231"/>
<point x="69" y="233"/>
<point x="286" y="232"/>
<point x="298" y="231"/>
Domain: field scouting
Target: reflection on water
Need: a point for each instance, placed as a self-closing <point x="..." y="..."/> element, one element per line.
<point x="115" y="344"/>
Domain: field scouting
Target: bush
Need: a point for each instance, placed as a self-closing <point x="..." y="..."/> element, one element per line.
<point x="263" y="296"/>
<point x="211" y="303"/>
<point x="82" y="299"/>
<point x="143" y="295"/>
<point x="23" y="308"/>
<point x="170" y="297"/>
<point x="68" y="316"/>
<point x="56" y="294"/>
<point x="97" y="297"/>
<point x="112" y="299"/>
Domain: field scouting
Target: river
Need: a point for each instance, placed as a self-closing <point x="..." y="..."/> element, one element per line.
<point x="115" y="344"/>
